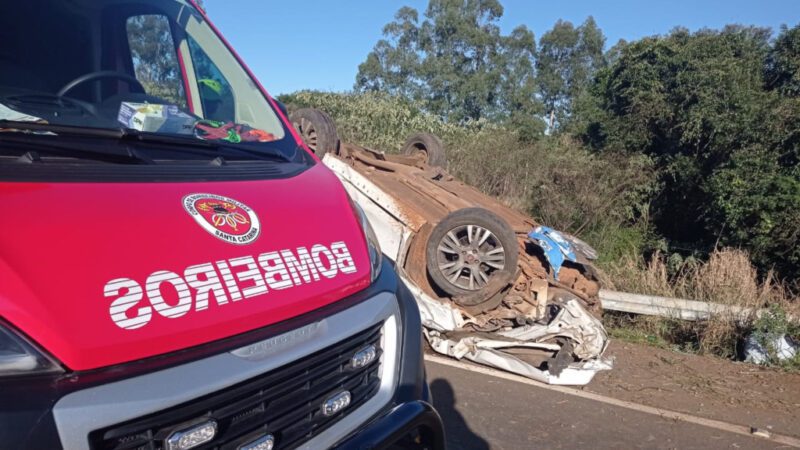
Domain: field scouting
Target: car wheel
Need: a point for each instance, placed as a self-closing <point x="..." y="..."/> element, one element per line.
<point x="317" y="130"/>
<point x="427" y="147"/>
<point x="468" y="250"/>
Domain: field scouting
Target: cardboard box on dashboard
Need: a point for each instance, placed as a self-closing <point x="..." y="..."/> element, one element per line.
<point x="155" y="118"/>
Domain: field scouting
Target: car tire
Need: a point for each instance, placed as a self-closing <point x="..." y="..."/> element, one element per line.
<point x="317" y="130"/>
<point x="466" y="262"/>
<point x="427" y="147"/>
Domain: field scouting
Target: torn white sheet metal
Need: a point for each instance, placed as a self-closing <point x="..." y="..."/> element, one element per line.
<point x="572" y="321"/>
<point x="435" y="315"/>
<point x="489" y="353"/>
<point x="442" y="318"/>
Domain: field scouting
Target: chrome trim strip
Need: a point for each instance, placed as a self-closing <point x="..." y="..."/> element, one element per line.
<point x="81" y="412"/>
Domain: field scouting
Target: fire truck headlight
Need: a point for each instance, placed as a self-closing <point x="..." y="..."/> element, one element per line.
<point x="374" y="247"/>
<point x="19" y="356"/>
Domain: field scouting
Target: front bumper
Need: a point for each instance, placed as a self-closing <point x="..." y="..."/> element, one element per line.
<point x="412" y="425"/>
<point x="64" y="411"/>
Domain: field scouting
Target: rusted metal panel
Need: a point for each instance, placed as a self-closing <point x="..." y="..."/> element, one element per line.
<point x="423" y="195"/>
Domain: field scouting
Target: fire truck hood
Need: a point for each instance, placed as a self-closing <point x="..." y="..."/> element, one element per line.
<point x="100" y="274"/>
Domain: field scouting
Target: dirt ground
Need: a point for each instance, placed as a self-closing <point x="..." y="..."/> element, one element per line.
<point x="714" y="388"/>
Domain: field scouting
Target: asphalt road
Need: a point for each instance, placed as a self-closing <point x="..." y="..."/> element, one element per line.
<point x="485" y="412"/>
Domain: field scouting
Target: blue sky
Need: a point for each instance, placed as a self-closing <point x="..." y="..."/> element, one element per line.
<point x="318" y="44"/>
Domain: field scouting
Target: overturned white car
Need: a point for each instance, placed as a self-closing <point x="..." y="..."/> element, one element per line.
<point x="493" y="286"/>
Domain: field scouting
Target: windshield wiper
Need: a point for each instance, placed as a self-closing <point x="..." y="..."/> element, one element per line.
<point x="60" y="129"/>
<point x="35" y="146"/>
<point x="187" y="144"/>
<point x="264" y="152"/>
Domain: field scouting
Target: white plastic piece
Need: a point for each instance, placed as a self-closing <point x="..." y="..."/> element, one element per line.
<point x="435" y="314"/>
<point x="756" y="353"/>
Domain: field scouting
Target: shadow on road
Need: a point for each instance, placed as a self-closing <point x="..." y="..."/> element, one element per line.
<point x="459" y="435"/>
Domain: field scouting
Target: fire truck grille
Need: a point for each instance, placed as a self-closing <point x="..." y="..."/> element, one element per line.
<point x="285" y="403"/>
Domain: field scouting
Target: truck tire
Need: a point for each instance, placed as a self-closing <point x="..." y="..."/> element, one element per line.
<point x="468" y="252"/>
<point x="317" y="130"/>
<point x="427" y="147"/>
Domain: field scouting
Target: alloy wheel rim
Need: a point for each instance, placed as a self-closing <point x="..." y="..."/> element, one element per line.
<point x="469" y="255"/>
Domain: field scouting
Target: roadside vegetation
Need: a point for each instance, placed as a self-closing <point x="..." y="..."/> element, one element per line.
<point x="676" y="156"/>
<point x="727" y="277"/>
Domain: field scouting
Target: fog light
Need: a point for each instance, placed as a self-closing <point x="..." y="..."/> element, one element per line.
<point x="336" y="403"/>
<point x="363" y="357"/>
<point x="262" y="443"/>
<point x="192" y="436"/>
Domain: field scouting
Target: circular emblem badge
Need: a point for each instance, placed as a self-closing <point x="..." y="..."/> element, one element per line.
<point x="228" y="219"/>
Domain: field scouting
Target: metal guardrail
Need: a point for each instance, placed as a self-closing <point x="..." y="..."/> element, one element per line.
<point x="677" y="308"/>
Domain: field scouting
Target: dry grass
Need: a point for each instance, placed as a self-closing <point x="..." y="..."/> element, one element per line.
<point x="727" y="277"/>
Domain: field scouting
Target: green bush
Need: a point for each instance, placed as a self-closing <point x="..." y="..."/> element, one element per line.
<point x="555" y="179"/>
<point x="379" y="121"/>
<point x="722" y="133"/>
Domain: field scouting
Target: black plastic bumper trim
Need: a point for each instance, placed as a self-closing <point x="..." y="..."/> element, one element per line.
<point x="398" y="423"/>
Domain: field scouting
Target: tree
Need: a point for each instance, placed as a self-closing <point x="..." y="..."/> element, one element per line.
<point x="568" y="58"/>
<point x="783" y="63"/>
<point x="519" y="92"/>
<point x="456" y="63"/>
<point x="394" y="65"/>
<point x="757" y="203"/>
<point x="154" y="58"/>
<point x="726" y="147"/>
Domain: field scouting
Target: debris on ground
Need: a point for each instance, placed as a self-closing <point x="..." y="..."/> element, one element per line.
<point x="760" y="432"/>
<point x="781" y="347"/>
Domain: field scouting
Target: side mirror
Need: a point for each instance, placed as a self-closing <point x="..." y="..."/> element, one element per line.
<point x="282" y="107"/>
